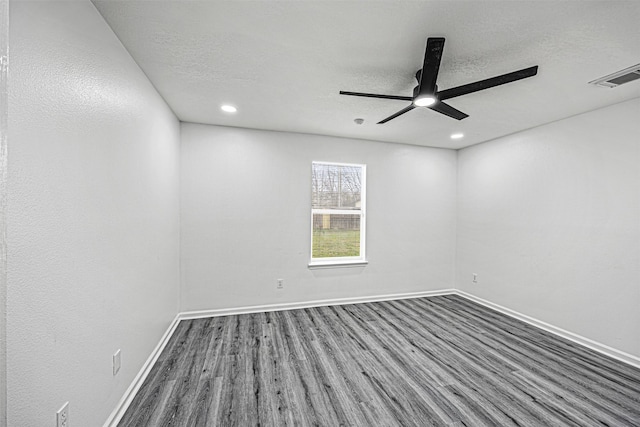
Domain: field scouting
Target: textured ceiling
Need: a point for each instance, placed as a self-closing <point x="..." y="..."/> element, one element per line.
<point x="282" y="63"/>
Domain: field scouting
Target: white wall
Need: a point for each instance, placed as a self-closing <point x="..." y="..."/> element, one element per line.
<point x="245" y="218"/>
<point x="4" y="99"/>
<point x="550" y="220"/>
<point x="93" y="224"/>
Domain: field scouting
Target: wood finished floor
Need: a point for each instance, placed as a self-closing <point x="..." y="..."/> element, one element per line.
<point x="441" y="361"/>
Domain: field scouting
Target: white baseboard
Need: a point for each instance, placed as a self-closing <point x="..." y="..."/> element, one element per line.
<point x="308" y="304"/>
<point x="124" y="403"/>
<point x="128" y="396"/>
<point x="578" y="339"/>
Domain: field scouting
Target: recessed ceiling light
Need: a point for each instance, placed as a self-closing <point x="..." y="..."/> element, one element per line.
<point x="457" y="135"/>
<point x="424" y="101"/>
<point x="229" y="108"/>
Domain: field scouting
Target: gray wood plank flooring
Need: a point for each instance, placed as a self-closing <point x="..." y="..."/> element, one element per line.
<point x="442" y="361"/>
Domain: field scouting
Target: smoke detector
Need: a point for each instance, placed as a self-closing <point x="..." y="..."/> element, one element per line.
<point x="619" y="77"/>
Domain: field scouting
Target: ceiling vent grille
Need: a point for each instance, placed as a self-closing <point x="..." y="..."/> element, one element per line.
<point x="619" y="77"/>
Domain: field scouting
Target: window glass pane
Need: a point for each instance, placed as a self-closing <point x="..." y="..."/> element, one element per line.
<point x="336" y="235"/>
<point x="336" y="186"/>
<point x="350" y="186"/>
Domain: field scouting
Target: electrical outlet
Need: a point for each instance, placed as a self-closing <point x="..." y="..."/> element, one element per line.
<point x="475" y="278"/>
<point x="62" y="416"/>
<point x="117" y="362"/>
<point x="280" y="284"/>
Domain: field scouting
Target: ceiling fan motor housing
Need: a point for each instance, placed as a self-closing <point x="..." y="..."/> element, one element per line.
<point x="416" y="90"/>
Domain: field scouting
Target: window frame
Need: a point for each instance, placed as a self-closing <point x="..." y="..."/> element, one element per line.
<point x="346" y="261"/>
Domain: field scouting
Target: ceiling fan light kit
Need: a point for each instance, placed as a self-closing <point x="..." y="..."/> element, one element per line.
<point x="424" y="101"/>
<point x="228" y="108"/>
<point x="426" y="94"/>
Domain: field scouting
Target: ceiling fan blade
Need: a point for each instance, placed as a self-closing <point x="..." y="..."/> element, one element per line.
<point x="488" y="83"/>
<point x="373" y="95"/>
<point x="399" y="113"/>
<point x="448" y="110"/>
<point x="432" y="57"/>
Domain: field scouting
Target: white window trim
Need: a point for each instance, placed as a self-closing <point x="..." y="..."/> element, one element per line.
<point x="340" y="262"/>
<point x="358" y="261"/>
<point x="339" y="211"/>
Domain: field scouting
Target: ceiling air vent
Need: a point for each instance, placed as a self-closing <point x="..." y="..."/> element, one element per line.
<point x="619" y="77"/>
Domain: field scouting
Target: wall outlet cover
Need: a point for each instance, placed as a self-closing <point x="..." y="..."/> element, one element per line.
<point x="117" y="362"/>
<point x="62" y="416"/>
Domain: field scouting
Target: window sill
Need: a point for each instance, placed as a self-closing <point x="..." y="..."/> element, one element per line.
<point x="337" y="264"/>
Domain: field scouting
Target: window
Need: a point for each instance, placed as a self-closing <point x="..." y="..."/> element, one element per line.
<point x="337" y="214"/>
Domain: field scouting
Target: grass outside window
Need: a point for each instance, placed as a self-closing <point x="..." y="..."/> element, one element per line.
<point x="336" y="243"/>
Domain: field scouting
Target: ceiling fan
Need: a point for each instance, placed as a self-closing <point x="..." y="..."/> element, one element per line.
<point x="426" y="94"/>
